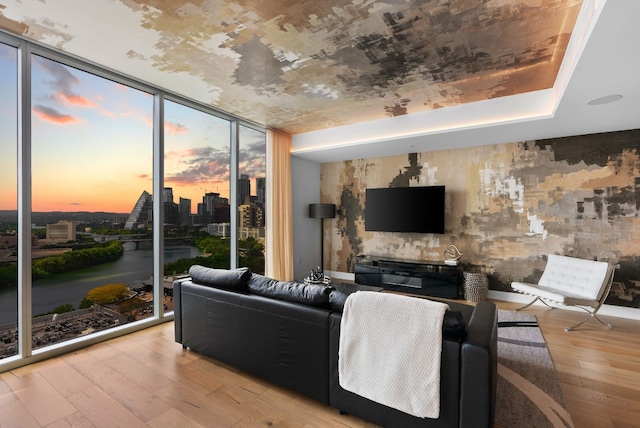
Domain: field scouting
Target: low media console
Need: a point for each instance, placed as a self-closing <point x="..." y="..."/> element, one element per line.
<point x="429" y="278"/>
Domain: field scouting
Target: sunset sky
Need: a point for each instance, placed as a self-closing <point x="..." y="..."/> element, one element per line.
<point x="92" y="143"/>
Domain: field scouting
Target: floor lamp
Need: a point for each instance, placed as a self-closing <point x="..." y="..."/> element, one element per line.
<point x="322" y="211"/>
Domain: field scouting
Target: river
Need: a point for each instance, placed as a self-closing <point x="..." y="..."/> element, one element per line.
<point x="72" y="287"/>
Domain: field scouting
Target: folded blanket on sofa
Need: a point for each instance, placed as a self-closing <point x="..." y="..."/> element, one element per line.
<point x="390" y="349"/>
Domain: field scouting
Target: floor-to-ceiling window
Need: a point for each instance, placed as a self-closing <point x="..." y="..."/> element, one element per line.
<point x="196" y="202"/>
<point x="92" y="170"/>
<point x="8" y="201"/>
<point x="91" y="163"/>
<point x="252" y="169"/>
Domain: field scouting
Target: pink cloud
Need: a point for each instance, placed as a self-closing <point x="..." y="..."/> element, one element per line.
<point x="175" y="128"/>
<point x="77" y="100"/>
<point x="53" y="116"/>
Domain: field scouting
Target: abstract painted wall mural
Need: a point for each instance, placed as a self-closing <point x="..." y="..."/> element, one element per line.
<point x="507" y="207"/>
<point x="305" y="65"/>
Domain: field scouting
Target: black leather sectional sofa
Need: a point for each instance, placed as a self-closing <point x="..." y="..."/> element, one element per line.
<point x="288" y="333"/>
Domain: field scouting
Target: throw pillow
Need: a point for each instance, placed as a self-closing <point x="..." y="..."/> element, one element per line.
<point x="230" y="279"/>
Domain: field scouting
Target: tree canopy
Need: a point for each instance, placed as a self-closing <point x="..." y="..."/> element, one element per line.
<point x="108" y="293"/>
<point x="217" y="255"/>
<point x="77" y="259"/>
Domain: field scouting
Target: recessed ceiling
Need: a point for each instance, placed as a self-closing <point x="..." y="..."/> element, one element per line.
<point x="301" y="66"/>
<point x="368" y="78"/>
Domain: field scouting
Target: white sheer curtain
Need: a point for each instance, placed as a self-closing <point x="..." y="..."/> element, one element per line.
<point x="279" y="224"/>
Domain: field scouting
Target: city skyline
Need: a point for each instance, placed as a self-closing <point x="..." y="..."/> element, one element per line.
<point x="92" y="143"/>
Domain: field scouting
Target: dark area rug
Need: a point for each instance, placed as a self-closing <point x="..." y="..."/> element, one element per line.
<point x="528" y="391"/>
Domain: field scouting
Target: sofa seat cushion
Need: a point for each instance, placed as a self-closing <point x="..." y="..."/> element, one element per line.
<point x="308" y="294"/>
<point x="553" y="294"/>
<point x="228" y="279"/>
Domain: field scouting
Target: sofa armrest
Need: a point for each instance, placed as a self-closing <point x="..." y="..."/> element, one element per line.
<point x="177" y="314"/>
<point x="479" y="368"/>
<point x="177" y="307"/>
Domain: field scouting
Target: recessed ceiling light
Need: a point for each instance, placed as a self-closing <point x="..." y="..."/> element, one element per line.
<point x="604" y="100"/>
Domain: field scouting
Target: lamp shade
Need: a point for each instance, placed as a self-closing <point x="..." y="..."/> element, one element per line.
<point x="322" y="210"/>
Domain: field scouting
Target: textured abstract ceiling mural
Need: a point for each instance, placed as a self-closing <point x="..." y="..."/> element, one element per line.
<point x="304" y="65"/>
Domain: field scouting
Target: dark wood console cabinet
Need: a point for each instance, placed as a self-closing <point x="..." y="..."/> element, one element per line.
<point x="429" y="278"/>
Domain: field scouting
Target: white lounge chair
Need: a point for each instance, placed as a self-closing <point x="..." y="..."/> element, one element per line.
<point x="571" y="281"/>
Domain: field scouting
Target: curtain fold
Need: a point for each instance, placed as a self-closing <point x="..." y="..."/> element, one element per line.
<point x="279" y="220"/>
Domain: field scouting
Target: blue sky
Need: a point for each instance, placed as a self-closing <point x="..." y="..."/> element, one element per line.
<point x="92" y="143"/>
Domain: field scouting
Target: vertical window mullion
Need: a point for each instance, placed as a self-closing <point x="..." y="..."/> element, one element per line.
<point x="233" y="193"/>
<point x="158" y="205"/>
<point x="24" y="201"/>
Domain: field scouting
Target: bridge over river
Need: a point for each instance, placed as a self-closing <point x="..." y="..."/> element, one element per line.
<point x="138" y="239"/>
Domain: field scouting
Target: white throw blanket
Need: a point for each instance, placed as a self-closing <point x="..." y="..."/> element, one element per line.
<point x="390" y="351"/>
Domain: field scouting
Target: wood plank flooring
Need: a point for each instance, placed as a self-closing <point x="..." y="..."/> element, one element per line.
<point x="145" y="379"/>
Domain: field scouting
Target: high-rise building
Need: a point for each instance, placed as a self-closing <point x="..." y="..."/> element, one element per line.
<point x="209" y="201"/>
<point x="261" y="191"/>
<point x="167" y="195"/>
<point x="250" y="215"/>
<point x="171" y="213"/>
<point x="244" y="189"/>
<point x="261" y="196"/>
<point x="222" y="213"/>
<point x="184" y="208"/>
<point x="215" y="209"/>
<point x="142" y="213"/>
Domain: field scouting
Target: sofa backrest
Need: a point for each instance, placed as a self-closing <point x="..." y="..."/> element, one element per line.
<point x="578" y="277"/>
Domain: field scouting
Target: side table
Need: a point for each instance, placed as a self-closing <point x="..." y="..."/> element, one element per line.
<point x="476" y="286"/>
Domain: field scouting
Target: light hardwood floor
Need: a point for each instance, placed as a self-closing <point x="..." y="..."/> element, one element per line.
<point x="145" y="379"/>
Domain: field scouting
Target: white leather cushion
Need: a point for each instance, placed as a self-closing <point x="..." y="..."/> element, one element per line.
<point x="563" y="298"/>
<point x="573" y="277"/>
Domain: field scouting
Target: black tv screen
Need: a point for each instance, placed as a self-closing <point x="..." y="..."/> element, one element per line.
<point x="405" y="209"/>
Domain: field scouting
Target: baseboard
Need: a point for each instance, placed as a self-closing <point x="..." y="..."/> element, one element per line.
<point x="508" y="296"/>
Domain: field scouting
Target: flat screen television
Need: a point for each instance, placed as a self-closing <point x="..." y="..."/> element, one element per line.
<point x="405" y="209"/>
